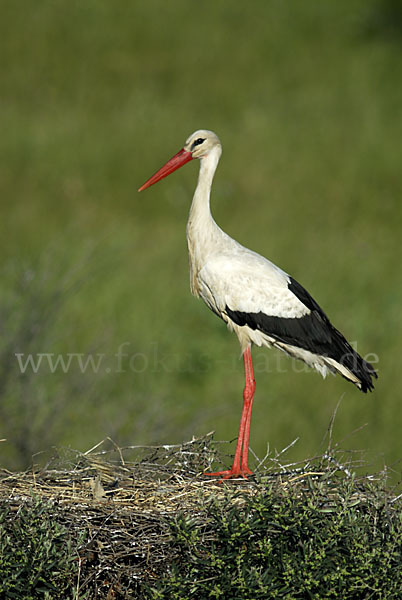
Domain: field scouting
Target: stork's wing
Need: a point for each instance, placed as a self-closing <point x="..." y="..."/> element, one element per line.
<point x="252" y="292"/>
<point x="249" y="283"/>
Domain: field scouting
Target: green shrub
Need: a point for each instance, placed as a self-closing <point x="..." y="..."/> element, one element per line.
<point x="36" y="555"/>
<point x="314" y="543"/>
<point x="158" y="532"/>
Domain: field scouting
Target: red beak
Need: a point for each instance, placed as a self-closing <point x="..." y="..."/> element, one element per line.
<point x="177" y="161"/>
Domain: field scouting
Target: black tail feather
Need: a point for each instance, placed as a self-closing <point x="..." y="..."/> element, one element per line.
<point x="343" y="353"/>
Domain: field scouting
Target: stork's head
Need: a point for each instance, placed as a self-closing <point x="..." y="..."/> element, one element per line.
<point x="201" y="142"/>
<point x="198" y="145"/>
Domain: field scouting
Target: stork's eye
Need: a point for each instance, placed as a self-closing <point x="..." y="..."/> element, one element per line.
<point x="197" y="142"/>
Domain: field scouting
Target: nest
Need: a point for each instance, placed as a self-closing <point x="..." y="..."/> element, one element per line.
<point x="125" y="499"/>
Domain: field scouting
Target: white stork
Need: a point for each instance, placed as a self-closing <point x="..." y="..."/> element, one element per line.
<point x="261" y="303"/>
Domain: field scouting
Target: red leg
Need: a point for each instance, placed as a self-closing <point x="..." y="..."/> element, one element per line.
<point x="249" y="390"/>
<point x="242" y="470"/>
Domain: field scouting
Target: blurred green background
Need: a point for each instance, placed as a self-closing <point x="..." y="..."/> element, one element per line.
<point x="95" y="96"/>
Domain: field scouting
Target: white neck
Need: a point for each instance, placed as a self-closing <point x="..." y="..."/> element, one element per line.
<point x="203" y="234"/>
<point x="200" y="214"/>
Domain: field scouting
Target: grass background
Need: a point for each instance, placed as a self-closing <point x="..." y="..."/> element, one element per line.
<point x="94" y="97"/>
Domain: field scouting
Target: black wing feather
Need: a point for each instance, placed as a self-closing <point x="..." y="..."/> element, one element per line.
<point x="313" y="332"/>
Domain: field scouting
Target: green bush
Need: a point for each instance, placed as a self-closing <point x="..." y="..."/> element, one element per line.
<point x="312" y="543"/>
<point x="37" y="559"/>
<point x="158" y="532"/>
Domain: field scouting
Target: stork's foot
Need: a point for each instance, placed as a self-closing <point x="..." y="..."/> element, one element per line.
<point x="231" y="473"/>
